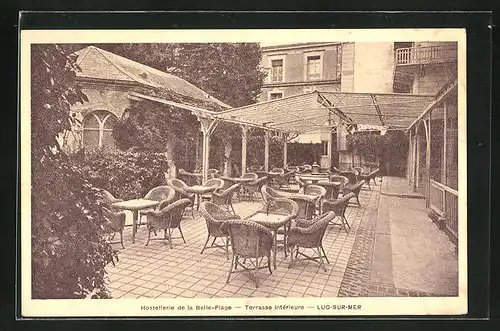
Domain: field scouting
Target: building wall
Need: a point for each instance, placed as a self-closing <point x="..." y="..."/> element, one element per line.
<point x="374" y="67"/>
<point x="295" y="70"/>
<point x="108" y="97"/>
<point x="432" y="77"/>
<point x="348" y="58"/>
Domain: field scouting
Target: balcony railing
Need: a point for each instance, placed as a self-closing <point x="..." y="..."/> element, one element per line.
<point x="426" y="54"/>
<point x="444" y="201"/>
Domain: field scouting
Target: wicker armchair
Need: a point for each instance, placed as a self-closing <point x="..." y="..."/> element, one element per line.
<point x="253" y="188"/>
<point x="225" y="197"/>
<point x="287" y="208"/>
<point x="305" y="202"/>
<point x="214" y="216"/>
<point x="339" y="206"/>
<point x="249" y="241"/>
<point x="164" y="194"/>
<point x="250" y="175"/>
<point x="309" y="234"/>
<point x="307" y="167"/>
<point x="217" y="183"/>
<point x="280" y="171"/>
<point x="213" y="173"/>
<point x="180" y="192"/>
<point x="318" y="191"/>
<point x="189" y="178"/>
<point x="350" y="175"/>
<point x="368" y="177"/>
<point x="284" y="179"/>
<point x="302" y="185"/>
<point x="332" y="189"/>
<point x="356" y="188"/>
<point x="167" y="219"/>
<point x="116" y="218"/>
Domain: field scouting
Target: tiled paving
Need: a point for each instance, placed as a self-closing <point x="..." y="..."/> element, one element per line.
<point x="156" y="271"/>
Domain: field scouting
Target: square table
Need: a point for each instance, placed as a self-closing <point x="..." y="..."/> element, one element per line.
<point x="135" y="205"/>
<point x="273" y="222"/>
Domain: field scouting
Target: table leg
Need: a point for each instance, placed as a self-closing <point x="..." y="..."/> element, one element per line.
<point x="275" y="248"/>
<point x="135" y="217"/>
<point x="198" y="202"/>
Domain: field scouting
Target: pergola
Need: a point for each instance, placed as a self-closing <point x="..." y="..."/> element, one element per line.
<point x="309" y="112"/>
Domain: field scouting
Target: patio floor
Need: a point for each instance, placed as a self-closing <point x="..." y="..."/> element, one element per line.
<point x="156" y="271"/>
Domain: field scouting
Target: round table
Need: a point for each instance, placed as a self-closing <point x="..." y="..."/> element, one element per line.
<point x="313" y="178"/>
<point x="199" y="190"/>
<point x="134" y="206"/>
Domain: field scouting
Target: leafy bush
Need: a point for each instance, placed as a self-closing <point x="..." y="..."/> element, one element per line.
<point x="151" y="127"/>
<point x="127" y="175"/>
<point x="69" y="254"/>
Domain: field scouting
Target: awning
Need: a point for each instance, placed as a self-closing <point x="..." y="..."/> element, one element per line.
<point x="318" y="110"/>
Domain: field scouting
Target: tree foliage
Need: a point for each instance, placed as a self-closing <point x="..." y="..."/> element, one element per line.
<point x="69" y="253"/>
<point x="127" y="175"/>
<point x="159" y="128"/>
<point x="228" y="71"/>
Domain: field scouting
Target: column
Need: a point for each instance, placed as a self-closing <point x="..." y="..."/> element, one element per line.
<point x="244" y="135"/>
<point x="285" y="150"/>
<point x="207" y="127"/>
<point x="266" y="150"/>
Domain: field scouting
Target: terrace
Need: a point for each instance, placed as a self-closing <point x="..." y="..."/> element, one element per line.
<point x="388" y="251"/>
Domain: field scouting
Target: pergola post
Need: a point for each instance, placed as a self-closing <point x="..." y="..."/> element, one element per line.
<point x="445" y="144"/>
<point x="207" y="128"/>
<point x="266" y="150"/>
<point x="285" y="150"/>
<point x="244" y="136"/>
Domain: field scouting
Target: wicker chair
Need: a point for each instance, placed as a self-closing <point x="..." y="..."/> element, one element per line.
<point x="307" y="167"/>
<point x="213" y="173"/>
<point x="356" y="188"/>
<point x="309" y="234"/>
<point x="249" y="241"/>
<point x="287" y="208"/>
<point x="350" y="175"/>
<point x="284" y="179"/>
<point x="318" y="191"/>
<point x="167" y="219"/>
<point x="179" y="188"/>
<point x="250" y="175"/>
<point x="306" y="203"/>
<point x="225" y="197"/>
<point x="339" y="206"/>
<point x="368" y="177"/>
<point x="261" y="173"/>
<point x="253" y="188"/>
<point x="281" y="171"/>
<point x="214" y="216"/>
<point x="332" y="189"/>
<point x="302" y="185"/>
<point x="189" y="178"/>
<point x="116" y="218"/>
<point x="163" y="194"/>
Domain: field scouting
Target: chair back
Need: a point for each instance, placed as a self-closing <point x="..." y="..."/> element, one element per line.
<point x="250" y="175"/>
<point x="213" y="173"/>
<point x="293" y="168"/>
<point x="176" y="211"/>
<point x="278" y="171"/>
<point x="300" y="182"/>
<point x="307" y="167"/>
<point x="248" y="239"/>
<point x="255" y="168"/>
<point x="261" y="173"/>
<point x="215" y="182"/>
<point x="214" y="216"/>
<point x="359" y="170"/>
<point x="357" y="187"/>
<point x="317" y="190"/>
<point x="179" y="187"/>
<point x="107" y="198"/>
<point x="268" y="194"/>
<point x="338" y="206"/>
<point x="350" y="175"/>
<point x="374" y="173"/>
<point x="161" y="193"/>
<point x="284" y="206"/>
<point x="259" y="182"/>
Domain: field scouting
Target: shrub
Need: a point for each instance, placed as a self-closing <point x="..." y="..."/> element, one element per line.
<point x="127" y="175"/>
<point x="69" y="253"/>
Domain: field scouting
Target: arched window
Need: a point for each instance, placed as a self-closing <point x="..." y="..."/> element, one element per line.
<point x="97" y="130"/>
